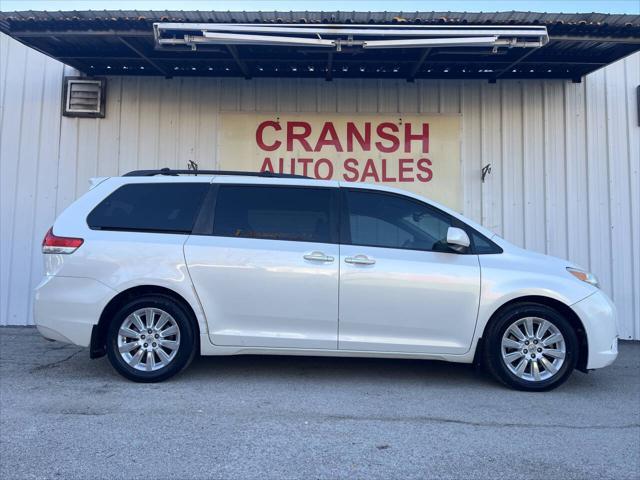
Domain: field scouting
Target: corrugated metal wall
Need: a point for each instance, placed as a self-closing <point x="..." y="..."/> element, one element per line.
<point x="565" y="157"/>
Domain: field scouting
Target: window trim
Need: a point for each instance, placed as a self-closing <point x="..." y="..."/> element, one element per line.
<point x="204" y="220"/>
<point x="339" y="229"/>
<point x="345" y="224"/>
<point x="148" y="230"/>
<point x="208" y="225"/>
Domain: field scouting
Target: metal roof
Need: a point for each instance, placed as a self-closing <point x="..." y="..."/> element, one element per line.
<point x="122" y="43"/>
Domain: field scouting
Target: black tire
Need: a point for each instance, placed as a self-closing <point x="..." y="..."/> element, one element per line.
<point x="492" y="352"/>
<point x="185" y="351"/>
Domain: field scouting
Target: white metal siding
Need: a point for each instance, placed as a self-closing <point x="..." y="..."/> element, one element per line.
<point x="565" y="157"/>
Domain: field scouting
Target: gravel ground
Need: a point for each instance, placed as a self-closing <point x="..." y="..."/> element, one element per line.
<point x="65" y="416"/>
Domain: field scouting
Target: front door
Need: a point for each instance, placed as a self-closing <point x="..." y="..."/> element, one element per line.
<point x="268" y="274"/>
<point x="401" y="288"/>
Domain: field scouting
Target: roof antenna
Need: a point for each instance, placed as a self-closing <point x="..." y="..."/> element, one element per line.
<point x="191" y="165"/>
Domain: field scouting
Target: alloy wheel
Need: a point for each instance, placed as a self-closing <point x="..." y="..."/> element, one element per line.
<point x="148" y="339"/>
<point x="533" y="349"/>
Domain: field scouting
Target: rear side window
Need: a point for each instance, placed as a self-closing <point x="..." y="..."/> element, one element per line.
<point x="275" y="213"/>
<point x="150" y="207"/>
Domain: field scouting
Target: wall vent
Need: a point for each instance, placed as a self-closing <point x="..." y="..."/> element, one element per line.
<point x="83" y="97"/>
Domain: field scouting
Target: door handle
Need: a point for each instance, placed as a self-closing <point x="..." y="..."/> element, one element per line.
<point x="318" y="257"/>
<point x="360" y="260"/>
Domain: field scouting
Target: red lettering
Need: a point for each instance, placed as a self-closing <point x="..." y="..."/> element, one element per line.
<point x="423" y="166"/>
<point x="351" y="166"/>
<point x="300" y="136"/>
<point x="353" y="133"/>
<point x="305" y="165"/>
<point x="381" y="131"/>
<point x="370" y="171"/>
<point x="292" y="165"/>
<point x="384" y="172"/>
<point x="405" y="169"/>
<point x="259" y="132"/>
<point x="328" y="130"/>
<point x="316" y="169"/>
<point x="423" y="137"/>
<point x="267" y="166"/>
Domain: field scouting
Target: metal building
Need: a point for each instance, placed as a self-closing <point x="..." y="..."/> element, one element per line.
<point x="543" y="138"/>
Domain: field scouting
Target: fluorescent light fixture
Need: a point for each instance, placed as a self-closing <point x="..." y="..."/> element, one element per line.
<point x="215" y="38"/>
<point x="358" y="31"/>
<point x="433" y="42"/>
<point x="235" y="38"/>
<point x="353" y="35"/>
<point x="401" y="30"/>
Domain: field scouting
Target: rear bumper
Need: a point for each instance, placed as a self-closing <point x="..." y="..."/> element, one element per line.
<point x="67" y="308"/>
<point x="598" y="315"/>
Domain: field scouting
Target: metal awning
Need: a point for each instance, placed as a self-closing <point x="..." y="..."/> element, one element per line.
<point x="329" y="44"/>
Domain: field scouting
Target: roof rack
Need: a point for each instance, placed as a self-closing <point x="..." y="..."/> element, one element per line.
<point x="170" y="172"/>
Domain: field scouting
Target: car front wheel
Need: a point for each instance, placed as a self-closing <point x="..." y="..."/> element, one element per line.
<point x="531" y="347"/>
<point x="150" y="339"/>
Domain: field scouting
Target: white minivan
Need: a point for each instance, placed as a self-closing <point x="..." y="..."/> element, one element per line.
<point x="156" y="266"/>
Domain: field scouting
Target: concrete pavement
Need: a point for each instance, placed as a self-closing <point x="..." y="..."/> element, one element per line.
<point x="65" y="416"/>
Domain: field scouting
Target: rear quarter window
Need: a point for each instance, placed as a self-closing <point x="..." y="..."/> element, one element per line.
<point x="151" y="207"/>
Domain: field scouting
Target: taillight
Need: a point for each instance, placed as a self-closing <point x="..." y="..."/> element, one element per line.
<point x="54" y="244"/>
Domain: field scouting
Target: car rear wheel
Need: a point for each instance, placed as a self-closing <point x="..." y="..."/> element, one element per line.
<point x="531" y="347"/>
<point x="150" y="339"/>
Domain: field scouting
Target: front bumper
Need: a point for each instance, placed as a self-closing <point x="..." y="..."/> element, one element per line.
<point x="67" y="308"/>
<point x="598" y="315"/>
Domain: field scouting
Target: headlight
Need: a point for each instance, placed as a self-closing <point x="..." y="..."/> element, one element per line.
<point x="587" y="277"/>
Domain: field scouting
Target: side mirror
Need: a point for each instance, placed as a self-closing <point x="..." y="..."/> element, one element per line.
<point x="458" y="239"/>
